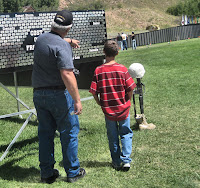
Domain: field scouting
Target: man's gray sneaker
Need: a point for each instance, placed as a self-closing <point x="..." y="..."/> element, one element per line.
<point x="80" y="175"/>
<point x="51" y="179"/>
<point x="116" y="167"/>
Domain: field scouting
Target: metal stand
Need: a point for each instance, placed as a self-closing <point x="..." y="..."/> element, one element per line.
<point x="17" y="135"/>
<point x="140" y="118"/>
<point x="139" y="91"/>
<point x="19" y="113"/>
<point x="17" y="93"/>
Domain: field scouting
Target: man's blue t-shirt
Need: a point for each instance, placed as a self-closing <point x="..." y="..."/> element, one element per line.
<point x="51" y="54"/>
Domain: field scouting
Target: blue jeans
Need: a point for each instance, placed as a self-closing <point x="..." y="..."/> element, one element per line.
<point x="125" y="44"/>
<point x="134" y="44"/>
<point x="53" y="112"/>
<point x="120" y="44"/>
<point x="122" y="129"/>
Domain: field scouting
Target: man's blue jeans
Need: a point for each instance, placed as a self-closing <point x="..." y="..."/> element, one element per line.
<point x="122" y="129"/>
<point x="120" y="44"/>
<point x="53" y="111"/>
<point x="125" y="44"/>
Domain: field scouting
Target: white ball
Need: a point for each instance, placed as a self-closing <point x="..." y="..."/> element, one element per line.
<point x="136" y="70"/>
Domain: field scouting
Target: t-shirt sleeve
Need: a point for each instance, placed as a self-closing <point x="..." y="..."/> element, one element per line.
<point x="130" y="84"/>
<point x="64" y="58"/>
<point x="94" y="86"/>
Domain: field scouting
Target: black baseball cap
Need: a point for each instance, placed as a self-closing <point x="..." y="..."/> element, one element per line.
<point x="64" y="18"/>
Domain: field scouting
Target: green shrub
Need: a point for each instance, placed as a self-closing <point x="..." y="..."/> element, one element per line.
<point x="119" y="5"/>
<point x="95" y="5"/>
<point x="7" y="6"/>
<point x="190" y="8"/>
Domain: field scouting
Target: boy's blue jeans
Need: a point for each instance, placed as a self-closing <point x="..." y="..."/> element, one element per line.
<point x="122" y="129"/>
<point x="53" y="112"/>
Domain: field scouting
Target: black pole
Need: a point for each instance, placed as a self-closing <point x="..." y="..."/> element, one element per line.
<point x="134" y="105"/>
<point x="140" y="92"/>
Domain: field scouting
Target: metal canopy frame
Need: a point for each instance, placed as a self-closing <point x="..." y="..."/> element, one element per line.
<point x="18" y="113"/>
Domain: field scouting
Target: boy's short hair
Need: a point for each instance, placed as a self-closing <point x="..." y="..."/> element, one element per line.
<point x="110" y="48"/>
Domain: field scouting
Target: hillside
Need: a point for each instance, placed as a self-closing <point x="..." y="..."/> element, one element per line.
<point x="132" y="15"/>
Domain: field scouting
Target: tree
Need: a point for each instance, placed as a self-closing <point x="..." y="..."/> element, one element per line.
<point x="1" y="6"/>
<point x="87" y="5"/>
<point x="8" y="6"/>
<point x="189" y="7"/>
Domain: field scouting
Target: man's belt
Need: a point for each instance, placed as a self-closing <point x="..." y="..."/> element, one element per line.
<point x="50" y="88"/>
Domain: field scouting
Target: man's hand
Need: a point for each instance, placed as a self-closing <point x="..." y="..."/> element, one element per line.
<point x="77" y="108"/>
<point x="73" y="42"/>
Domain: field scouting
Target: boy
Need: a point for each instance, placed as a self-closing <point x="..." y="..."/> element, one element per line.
<point x="115" y="86"/>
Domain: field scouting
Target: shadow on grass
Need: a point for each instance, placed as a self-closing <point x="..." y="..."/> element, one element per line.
<point x="94" y="164"/>
<point x="135" y="127"/>
<point x="91" y="164"/>
<point x="20" y="144"/>
<point x="11" y="171"/>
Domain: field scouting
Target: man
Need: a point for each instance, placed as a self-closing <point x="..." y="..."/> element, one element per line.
<point x="133" y="41"/>
<point x="124" y="38"/>
<point x="56" y="99"/>
<point x="119" y="41"/>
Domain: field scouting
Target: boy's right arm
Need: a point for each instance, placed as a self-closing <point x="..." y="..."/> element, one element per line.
<point x="96" y="98"/>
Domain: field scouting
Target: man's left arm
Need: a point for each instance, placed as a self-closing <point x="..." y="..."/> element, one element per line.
<point x="73" y="42"/>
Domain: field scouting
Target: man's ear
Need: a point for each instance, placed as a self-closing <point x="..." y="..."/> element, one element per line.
<point x="67" y="30"/>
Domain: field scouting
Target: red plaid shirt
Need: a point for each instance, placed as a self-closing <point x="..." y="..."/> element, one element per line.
<point x="113" y="82"/>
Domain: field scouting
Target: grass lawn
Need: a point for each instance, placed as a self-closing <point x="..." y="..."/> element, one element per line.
<point x="168" y="156"/>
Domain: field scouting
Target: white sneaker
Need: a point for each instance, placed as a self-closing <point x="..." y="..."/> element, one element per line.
<point x="126" y="166"/>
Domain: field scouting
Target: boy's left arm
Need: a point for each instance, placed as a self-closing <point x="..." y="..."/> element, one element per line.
<point x="130" y="94"/>
<point x="130" y="85"/>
